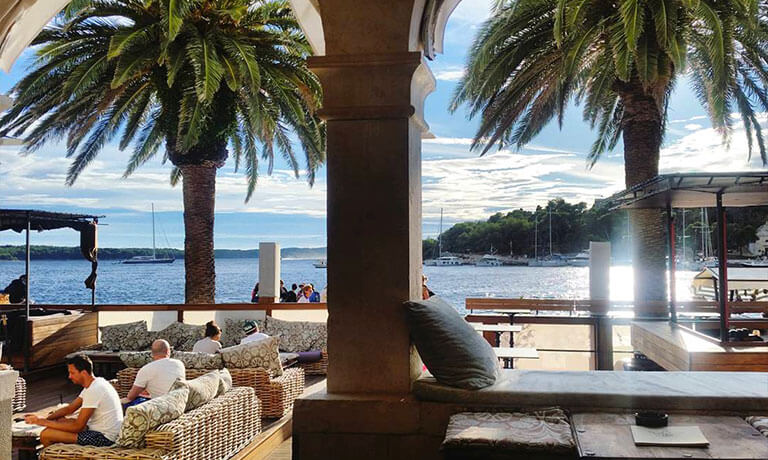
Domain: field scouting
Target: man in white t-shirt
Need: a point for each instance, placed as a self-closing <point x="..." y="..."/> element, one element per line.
<point x="157" y="377"/>
<point x="251" y="328"/>
<point x="100" y="417"/>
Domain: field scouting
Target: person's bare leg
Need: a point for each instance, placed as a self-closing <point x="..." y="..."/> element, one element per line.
<point x="50" y="436"/>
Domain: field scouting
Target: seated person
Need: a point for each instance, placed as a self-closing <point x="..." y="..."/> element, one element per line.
<point x="157" y="377"/>
<point x="17" y="290"/>
<point x="251" y="328"/>
<point x="100" y="417"/>
<point x="209" y="344"/>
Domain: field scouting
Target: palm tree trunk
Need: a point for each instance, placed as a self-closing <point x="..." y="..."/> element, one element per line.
<point x="642" y="133"/>
<point x="199" y="188"/>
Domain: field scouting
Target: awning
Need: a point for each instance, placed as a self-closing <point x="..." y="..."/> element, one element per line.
<point x="695" y="190"/>
<point x="16" y="220"/>
<point x="20" y="22"/>
<point x="738" y="278"/>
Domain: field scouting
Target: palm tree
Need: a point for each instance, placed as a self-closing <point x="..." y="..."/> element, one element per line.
<point x="620" y="61"/>
<point x="199" y="77"/>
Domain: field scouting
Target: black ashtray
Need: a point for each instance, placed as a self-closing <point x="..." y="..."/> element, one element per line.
<point x="651" y="419"/>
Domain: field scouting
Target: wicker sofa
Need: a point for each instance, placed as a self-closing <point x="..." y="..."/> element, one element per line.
<point x="295" y="337"/>
<point x="215" y="431"/>
<point x="19" y="402"/>
<point x="276" y="394"/>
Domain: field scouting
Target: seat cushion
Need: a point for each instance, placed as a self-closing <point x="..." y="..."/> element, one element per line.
<point x="262" y="353"/>
<point x="135" y="358"/>
<point x="126" y="337"/>
<point x="232" y="333"/>
<point x="545" y="431"/>
<point x="142" y="418"/>
<point x="451" y="349"/>
<point x="194" y="360"/>
<point x="182" y="336"/>
<point x="310" y="356"/>
<point x="297" y="336"/>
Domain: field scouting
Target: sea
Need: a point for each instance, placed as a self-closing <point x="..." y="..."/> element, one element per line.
<point x="61" y="282"/>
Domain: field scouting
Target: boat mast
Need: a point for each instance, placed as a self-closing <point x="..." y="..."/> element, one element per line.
<point x="440" y="236"/>
<point x="550" y="231"/>
<point x="153" y="231"/>
<point x="684" y="239"/>
<point x="536" y="238"/>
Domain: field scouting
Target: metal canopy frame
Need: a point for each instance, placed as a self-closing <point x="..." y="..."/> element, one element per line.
<point x="698" y="190"/>
<point x="26" y="220"/>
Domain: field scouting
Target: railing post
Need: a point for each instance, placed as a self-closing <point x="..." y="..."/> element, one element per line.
<point x="269" y="272"/>
<point x="599" y="295"/>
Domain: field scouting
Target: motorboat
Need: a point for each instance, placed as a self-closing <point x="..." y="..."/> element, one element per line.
<point x="489" y="260"/>
<point x="322" y="263"/>
<point x="555" y="260"/>
<point x="761" y="262"/>
<point x="444" y="261"/>
<point x="580" y="260"/>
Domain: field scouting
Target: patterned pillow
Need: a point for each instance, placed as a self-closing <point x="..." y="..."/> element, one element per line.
<point x="135" y="358"/>
<point x="142" y="418"/>
<point x="233" y="333"/>
<point x="760" y="423"/>
<point x="201" y="389"/>
<point x="225" y="381"/>
<point x="541" y="431"/>
<point x="182" y="336"/>
<point x="262" y="353"/>
<point x="297" y="336"/>
<point x="194" y="360"/>
<point x="126" y="337"/>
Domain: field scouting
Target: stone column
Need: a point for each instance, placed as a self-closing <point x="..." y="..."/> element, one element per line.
<point x="269" y="272"/>
<point x="7" y="385"/>
<point x="372" y="105"/>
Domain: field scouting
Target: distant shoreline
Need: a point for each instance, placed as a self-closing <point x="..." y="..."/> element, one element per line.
<point x="17" y="253"/>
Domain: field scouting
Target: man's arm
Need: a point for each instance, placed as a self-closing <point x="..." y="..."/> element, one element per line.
<point x="134" y="393"/>
<point x="66" y="410"/>
<point x="69" y="425"/>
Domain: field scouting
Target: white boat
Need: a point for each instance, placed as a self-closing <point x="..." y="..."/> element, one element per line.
<point x="761" y="262"/>
<point x="444" y="261"/>
<point x="489" y="260"/>
<point x="322" y="263"/>
<point x="555" y="260"/>
<point x="580" y="260"/>
<point x="153" y="259"/>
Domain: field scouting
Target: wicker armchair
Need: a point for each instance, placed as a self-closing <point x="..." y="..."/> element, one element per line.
<point x="19" y="402"/>
<point x="216" y="431"/>
<point x="276" y="394"/>
<point x="316" y="368"/>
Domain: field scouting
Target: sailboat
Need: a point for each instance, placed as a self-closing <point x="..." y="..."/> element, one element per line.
<point x="553" y="259"/>
<point x="153" y="259"/>
<point x="442" y="261"/>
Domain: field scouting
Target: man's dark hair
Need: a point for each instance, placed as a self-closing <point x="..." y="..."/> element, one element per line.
<point x="81" y="363"/>
<point x="294" y="287"/>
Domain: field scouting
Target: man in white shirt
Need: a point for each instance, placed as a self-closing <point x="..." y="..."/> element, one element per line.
<point x="251" y="328"/>
<point x="100" y="417"/>
<point x="157" y="377"/>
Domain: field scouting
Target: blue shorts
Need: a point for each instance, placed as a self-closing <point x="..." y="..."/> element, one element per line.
<point x="93" y="438"/>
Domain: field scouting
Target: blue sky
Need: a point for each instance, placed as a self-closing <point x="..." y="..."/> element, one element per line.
<point x="287" y="210"/>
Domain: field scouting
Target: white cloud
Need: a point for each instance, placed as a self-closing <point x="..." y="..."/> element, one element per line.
<point x="449" y="74"/>
<point x="693" y="126"/>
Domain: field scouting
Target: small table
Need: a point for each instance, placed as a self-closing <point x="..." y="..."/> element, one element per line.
<point x="26" y="438"/>
<point x="608" y="437"/>
<point x="509" y="354"/>
<point x="498" y="329"/>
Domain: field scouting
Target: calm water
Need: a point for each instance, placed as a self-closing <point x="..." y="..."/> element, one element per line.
<point x="62" y="281"/>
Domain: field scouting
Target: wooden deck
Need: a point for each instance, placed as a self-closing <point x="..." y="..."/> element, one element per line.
<point x="274" y="442"/>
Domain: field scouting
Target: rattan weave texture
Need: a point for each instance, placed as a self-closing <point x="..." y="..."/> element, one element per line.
<point x="316" y="368"/>
<point x="19" y="402"/>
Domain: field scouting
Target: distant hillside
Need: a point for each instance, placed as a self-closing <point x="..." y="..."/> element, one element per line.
<point x="68" y="253"/>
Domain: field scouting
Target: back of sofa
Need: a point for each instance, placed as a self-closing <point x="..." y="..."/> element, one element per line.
<point x="217" y="429"/>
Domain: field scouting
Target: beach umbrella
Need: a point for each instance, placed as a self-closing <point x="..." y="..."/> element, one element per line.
<point x="20" y="22"/>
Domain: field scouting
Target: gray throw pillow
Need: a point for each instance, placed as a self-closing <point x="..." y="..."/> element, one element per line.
<point x="451" y="349"/>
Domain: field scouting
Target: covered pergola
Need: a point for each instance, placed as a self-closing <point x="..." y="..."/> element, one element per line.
<point x="698" y="190"/>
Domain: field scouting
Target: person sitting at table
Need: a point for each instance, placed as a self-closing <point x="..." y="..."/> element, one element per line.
<point x="100" y="417"/>
<point x="17" y="290"/>
<point x="156" y="377"/>
<point x="251" y="329"/>
<point x="209" y="344"/>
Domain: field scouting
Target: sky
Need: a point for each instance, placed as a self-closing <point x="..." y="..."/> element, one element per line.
<point x="286" y="210"/>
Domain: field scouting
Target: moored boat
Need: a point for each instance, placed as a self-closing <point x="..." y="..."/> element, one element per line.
<point x="489" y="260"/>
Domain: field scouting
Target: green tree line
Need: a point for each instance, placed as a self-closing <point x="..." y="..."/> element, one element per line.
<point x="68" y="253"/>
<point x="575" y="225"/>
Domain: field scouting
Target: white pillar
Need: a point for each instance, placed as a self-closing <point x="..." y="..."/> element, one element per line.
<point x="7" y="383"/>
<point x="599" y="270"/>
<point x="269" y="272"/>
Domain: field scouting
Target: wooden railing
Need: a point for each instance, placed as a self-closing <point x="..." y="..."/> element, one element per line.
<point x="603" y="306"/>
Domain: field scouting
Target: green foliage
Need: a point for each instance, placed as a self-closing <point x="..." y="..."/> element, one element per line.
<point x="198" y="76"/>
<point x="533" y="57"/>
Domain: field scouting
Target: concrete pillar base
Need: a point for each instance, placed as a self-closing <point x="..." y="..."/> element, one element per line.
<point x="7" y="383"/>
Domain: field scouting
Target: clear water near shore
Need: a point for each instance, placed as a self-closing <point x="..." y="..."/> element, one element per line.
<point x="61" y="282"/>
